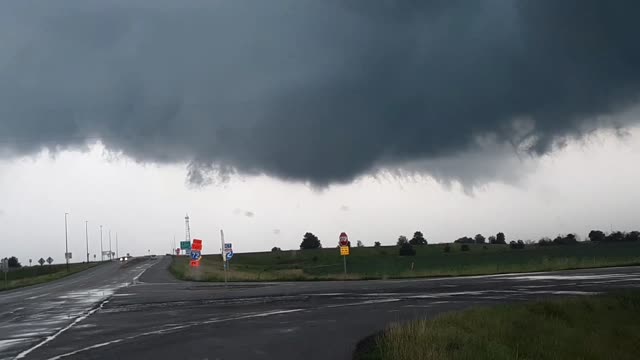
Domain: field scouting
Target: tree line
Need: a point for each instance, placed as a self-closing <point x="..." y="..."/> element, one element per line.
<point x="311" y="241"/>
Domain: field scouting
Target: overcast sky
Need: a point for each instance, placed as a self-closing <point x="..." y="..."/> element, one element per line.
<point x="270" y="119"/>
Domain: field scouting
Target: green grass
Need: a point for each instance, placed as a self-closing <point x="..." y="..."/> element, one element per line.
<point x="598" y="327"/>
<point x="384" y="262"/>
<point x="33" y="275"/>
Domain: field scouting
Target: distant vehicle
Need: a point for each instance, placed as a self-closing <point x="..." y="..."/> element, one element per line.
<point x="124" y="258"/>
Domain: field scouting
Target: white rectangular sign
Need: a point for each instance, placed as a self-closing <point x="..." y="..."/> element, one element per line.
<point x="67" y="255"/>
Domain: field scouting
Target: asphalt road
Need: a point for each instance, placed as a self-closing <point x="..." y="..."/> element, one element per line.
<point x="157" y="317"/>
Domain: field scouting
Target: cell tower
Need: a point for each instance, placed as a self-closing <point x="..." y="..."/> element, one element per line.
<point x="187" y="229"/>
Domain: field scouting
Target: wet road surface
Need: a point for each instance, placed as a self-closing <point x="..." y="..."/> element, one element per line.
<point x="159" y="317"/>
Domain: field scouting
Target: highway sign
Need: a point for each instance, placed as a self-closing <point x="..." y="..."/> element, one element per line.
<point x="197" y="245"/>
<point x="344" y="250"/>
<point x="195" y="255"/>
<point x="178" y="251"/>
<point x="185" y="245"/>
<point x="41" y="261"/>
<point x="49" y="260"/>
<point x="195" y="263"/>
<point x="67" y="255"/>
<point x="229" y="255"/>
<point x="344" y="239"/>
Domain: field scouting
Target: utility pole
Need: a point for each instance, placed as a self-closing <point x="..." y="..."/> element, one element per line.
<point x="101" y="250"/>
<point x="117" y="254"/>
<point x="86" y="233"/>
<point x="66" y="241"/>
<point x="110" y="256"/>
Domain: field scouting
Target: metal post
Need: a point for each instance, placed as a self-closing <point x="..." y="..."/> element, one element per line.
<point x="110" y="251"/>
<point x="86" y="233"/>
<point x="101" y="249"/>
<point x="117" y="253"/>
<point x="345" y="266"/>
<point x="224" y="258"/>
<point x="66" y="241"/>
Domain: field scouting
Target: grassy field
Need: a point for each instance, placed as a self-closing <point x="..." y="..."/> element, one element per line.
<point x="33" y="275"/>
<point x="431" y="260"/>
<point x="598" y="327"/>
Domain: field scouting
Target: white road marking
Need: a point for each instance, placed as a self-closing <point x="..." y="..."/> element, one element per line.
<point x="174" y="328"/>
<point x="52" y="337"/>
<point x="367" y="302"/>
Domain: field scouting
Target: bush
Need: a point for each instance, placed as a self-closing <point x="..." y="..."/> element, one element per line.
<point x="406" y="249"/>
<point x="569" y="239"/>
<point x="447" y="248"/>
<point x="275" y="249"/>
<point x="465" y="240"/>
<point x="464" y="247"/>
<point x="376" y="244"/>
<point x="516" y="244"/>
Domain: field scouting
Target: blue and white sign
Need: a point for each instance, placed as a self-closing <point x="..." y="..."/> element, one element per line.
<point x="195" y="255"/>
<point x="229" y="255"/>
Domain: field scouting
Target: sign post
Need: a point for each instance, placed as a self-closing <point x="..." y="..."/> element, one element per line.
<point x="5" y="270"/>
<point x="186" y="246"/>
<point x="224" y="258"/>
<point x="344" y="250"/>
<point x="196" y="253"/>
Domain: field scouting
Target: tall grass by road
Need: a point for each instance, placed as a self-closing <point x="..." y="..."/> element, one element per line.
<point x="32" y="275"/>
<point x="430" y="260"/>
<point x="597" y="327"/>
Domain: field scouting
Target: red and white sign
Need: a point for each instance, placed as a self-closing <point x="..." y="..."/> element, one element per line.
<point x="197" y="245"/>
<point x="178" y="251"/>
<point x="344" y="239"/>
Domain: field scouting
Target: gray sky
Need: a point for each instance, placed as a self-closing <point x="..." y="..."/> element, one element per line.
<point x="274" y="118"/>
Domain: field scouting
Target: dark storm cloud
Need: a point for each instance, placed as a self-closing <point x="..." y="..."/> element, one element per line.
<point x="318" y="91"/>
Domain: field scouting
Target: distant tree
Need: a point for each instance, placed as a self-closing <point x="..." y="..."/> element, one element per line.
<point x="406" y="249"/>
<point x="492" y="239"/>
<point x="569" y="239"/>
<point x="479" y="239"/>
<point x="447" y="248"/>
<point x="596" y="235"/>
<point x="14" y="263"/>
<point x="359" y="243"/>
<point x="376" y="244"/>
<point x="615" y="236"/>
<point x="516" y="244"/>
<point x="418" y="239"/>
<point x="500" y="238"/>
<point x="465" y="247"/>
<point x="545" y="241"/>
<point x="275" y="249"/>
<point x="465" y="240"/>
<point x="310" y="241"/>
<point x="402" y="240"/>
<point x="632" y="236"/>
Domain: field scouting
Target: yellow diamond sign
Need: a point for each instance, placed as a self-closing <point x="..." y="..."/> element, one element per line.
<point x="344" y="250"/>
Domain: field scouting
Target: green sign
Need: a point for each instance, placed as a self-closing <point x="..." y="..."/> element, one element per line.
<point x="185" y="245"/>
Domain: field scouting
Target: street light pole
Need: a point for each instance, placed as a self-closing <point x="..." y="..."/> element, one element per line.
<point x="117" y="254"/>
<point x="110" y="245"/>
<point x="66" y="241"/>
<point x="86" y="232"/>
<point x="101" y="250"/>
